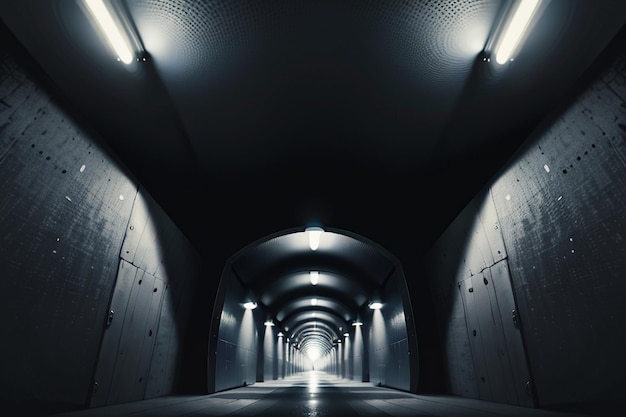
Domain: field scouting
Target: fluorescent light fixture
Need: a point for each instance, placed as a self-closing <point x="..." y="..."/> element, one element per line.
<point x="249" y="305"/>
<point x="375" y="305"/>
<point x="280" y="334"/>
<point x="269" y="323"/>
<point x="346" y="334"/>
<point x="315" y="277"/>
<point x="314" y="236"/>
<point x="515" y="30"/>
<point x="357" y="323"/>
<point x="313" y="301"/>
<point x="111" y="30"/>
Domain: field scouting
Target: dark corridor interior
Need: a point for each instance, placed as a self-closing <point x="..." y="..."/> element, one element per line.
<point x="243" y="191"/>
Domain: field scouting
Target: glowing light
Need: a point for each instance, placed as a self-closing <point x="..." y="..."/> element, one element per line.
<point x="269" y="323"/>
<point x="111" y="30"/>
<point x="315" y="276"/>
<point x="313" y="353"/>
<point x="313" y="301"/>
<point x="314" y="236"/>
<point x="249" y="305"/>
<point x="375" y="305"/>
<point x="357" y="323"/>
<point x="515" y="29"/>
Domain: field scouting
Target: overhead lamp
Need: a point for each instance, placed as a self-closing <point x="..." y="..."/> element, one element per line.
<point x="315" y="277"/>
<point x="249" y="305"/>
<point x="112" y="29"/>
<point x="346" y="334"/>
<point x="357" y="323"/>
<point x="313" y="301"/>
<point x="514" y="30"/>
<point x="269" y="323"/>
<point x="280" y="334"/>
<point x="314" y="234"/>
<point x="375" y="305"/>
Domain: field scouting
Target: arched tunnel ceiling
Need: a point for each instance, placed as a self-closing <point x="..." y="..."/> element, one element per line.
<point x="349" y="271"/>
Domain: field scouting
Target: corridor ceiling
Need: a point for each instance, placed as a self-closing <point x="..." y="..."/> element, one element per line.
<point x="243" y="118"/>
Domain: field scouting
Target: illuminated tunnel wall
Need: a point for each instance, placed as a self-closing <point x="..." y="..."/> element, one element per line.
<point x="389" y="352"/>
<point x="529" y="278"/>
<point x="95" y="277"/>
<point x="378" y="351"/>
<point x="234" y="342"/>
<point x="242" y="350"/>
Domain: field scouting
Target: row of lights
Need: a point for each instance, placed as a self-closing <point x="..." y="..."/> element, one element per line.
<point x="506" y="44"/>
<point x="314" y="235"/>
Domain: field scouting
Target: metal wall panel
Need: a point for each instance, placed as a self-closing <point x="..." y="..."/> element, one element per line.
<point x="161" y="377"/>
<point x="113" y="332"/>
<point x="135" y="344"/>
<point x="459" y="375"/>
<point x="499" y="377"/>
<point x="141" y="245"/>
<point x="470" y="315"/>
<point x="501" y="294"/>
<point x="479" y="357"/>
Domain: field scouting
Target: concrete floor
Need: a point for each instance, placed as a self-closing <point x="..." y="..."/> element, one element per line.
<point x="313" y="394"/>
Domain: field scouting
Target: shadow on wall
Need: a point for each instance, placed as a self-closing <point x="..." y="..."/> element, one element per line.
<point x="86" y="254"/>
<point x="528" y="278"/>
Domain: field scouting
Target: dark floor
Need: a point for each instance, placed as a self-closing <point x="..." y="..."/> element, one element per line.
<point x="313" y="394"/>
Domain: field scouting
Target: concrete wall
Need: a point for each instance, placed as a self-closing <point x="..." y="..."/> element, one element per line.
<point x="542" y="250"/>
<point x="236" y="346"/>
<point x="74" y="225"/>
<point x="389" y="353"/>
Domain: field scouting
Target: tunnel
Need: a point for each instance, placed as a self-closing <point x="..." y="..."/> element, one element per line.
<point x="312" y="295"/>
<point x="312" y="208"/>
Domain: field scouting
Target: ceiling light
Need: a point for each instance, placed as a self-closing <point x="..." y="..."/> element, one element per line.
<point x="346" y="334"/>
<point x="357" y="323"/>
<point x="515" y="29"/>
<point x="315" y="276"/>
<point x="269" y="323"/>
<point x="111" y="30"/>
<point x="314" y="236"/>
<point x="280" y="334"/>
<point x="249" y="305"/>
<point x="375" y="305"/>
<point x="313" y="301"/>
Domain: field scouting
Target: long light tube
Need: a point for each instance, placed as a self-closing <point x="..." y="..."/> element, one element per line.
<point x="516" y="28"/>
<point x="314" y="276"/>
<point x="115" y="37"/>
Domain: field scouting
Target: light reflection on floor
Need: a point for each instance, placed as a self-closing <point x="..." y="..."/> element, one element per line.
<point x="313" y="394"/>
